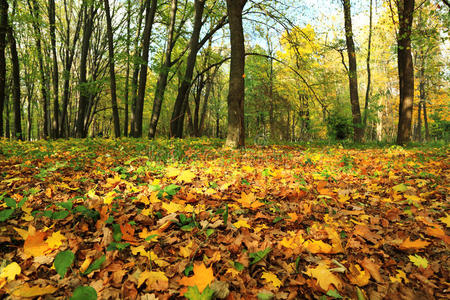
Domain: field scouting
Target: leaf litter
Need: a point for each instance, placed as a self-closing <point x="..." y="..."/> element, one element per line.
<point x="189" y="219"/>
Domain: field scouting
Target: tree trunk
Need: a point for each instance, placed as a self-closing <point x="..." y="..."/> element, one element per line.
<point x="209" y="87"/>
<point x="405" y="70"/>
<point x="139" y="109"/>
<point x="112" y="73"/>
<point x="164" y="73"/>
<point x="3" y="31"/>
<point x="55" y="79"/>
<point x="34" y="9"/>
<point x="88" y="27"/>
<point x="236" y="91"/>
<point x="358" y="130"/>
<point x="425" y="121"/>
<point x="197" y="98"/>
<point x="177" y="120"/>
<point x="16" y="85"/>
<point x="366" y="102"/>
<point x="127" y="75"/>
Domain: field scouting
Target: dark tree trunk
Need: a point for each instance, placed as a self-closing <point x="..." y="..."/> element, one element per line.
<point x="136" y="66"/>
<point x="425" y="121"/>
<point x="68" y="61"/>
<point x="3" y="32"/>
<point x="405" y="70"/>
<point x="34" y="9"/>
<point x="163" y="74"/>
<point x="55" y="77"/>
<point x="112" y="73"/>
<point x="127" y="75"/>
<point x="88" y="27"/>
<point x="177" y="120"/>
<point x="139" y="109"/>
<point x="236" y="92"/>
<point x="358" y="130"/>
<point x="15" y="85"/>
<point x="197" y="98"/>
<point x="366" y="102"/>
<point x="209" y="87"/>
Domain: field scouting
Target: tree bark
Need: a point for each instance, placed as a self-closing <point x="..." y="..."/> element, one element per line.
<point x="405" y="70"/>
<point x="366" y="102"/>
<point x="164" y="73"/>
<point x="55" y="77"/>
<point x="3" y="32"/>
<point x="358" y="130"/>
<point x="236" y="91"/>
<point x="16" y="85"/>
<point x="112" y="73"/>
<point x="127" y="75"/>
<point x="139" y="109"/>
<point x="177" y="120"/>
<point x="88" y="26"/>
<point x="34" y="9"/>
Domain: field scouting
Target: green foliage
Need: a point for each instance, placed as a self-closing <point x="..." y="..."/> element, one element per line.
<point x="63" y="261"/>
<point x="84" y="293"/>
<point x="339" y="126"/>
<point x="96" y="265"/>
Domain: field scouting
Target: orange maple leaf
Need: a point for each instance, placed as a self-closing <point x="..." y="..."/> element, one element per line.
<point x="34" y="244"/>
<point x="202" y="277"/>
<point x="417" y="244"/>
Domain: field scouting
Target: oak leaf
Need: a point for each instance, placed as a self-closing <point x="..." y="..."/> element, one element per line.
<point x="202" y="277"/>
<point x="419" y="261"/>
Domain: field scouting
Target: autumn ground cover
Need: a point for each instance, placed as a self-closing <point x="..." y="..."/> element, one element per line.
<point x="162" y="219"/>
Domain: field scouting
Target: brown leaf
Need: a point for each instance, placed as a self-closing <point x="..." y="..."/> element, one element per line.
<point x="372" y="268"/>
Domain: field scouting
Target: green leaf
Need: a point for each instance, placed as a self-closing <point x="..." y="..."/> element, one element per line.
<point x="117" y="246"/>
<point x="225" y="215"/>
<point x="334" y="294"/>
<point x="6" y="214"/>
<point x="62" y="262"/>
<point x="209" y="231"/>
<point x="10" y="202"/>
<point x="238" y="266"/>
<point x="59" y="215"/>
<point x="84" y="293"/>
<point x="400" y="188"/>
<point x="95" y="265"/>
<point x="67" y="205"/>
<point x="189" y="268"/>
<point x="194" y="294"/>
<point x="258" y="256"/>
<point x="360" y="294"/>
<point x="22" y="202"/>
<point x="277" y="219"/>
<point x="188" y="227"/>
<point x="150" y="237"/>
<point x="265" y="296"/>
<point x="117" y="233"/>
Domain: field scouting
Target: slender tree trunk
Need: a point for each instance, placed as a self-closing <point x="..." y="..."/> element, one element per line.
<point x="236" y="91"/>
<point x="139" y="110"/>
<point x="405" y="70"/>
<point x="425" y="120"/>
<point x="55" y="77"/>
<point x="8" y="110"/>
<point x="358" y="130"/>
<point x="369" y="44"/>
<point x="127" y="76"/>
<point x="34" y="9"/>
<point x="197" y="98"/>
<point x="163" y="74"/>
<point x="177" y="120"/>
<point x="16" y="85"/>
<point x="3" y="32"/>
<point x="112" y="72"/>
<point x="209" y="87"/>
<point x="88" y="27"/>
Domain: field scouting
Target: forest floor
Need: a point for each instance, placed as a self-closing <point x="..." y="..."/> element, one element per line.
<point x="158" y="220"/>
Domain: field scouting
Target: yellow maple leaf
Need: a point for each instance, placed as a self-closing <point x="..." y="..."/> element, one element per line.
<point x="260" y="227"/>
<point x="202" y="277"/>
<point x="241" y="223"/>
<point x="34" y="244"/>
<point x="22" y="232"/>
<point x="233" y="272"/>
<point x="317" y="246"/>
<point x="11" y="271"/>
<point x="160" y="262"/>
<point x="186" y="250"/>
<point x="399" y="277"/>
<point x="419" y="261"/>
<point x="358" y="276"/>
<point x="446" y="220"/>
<point x="186" y="176"/>
<point x="25" y="291"/>
<point x="272" y="279"/>
<point x="140" y="250"/>
<point x="109" y="197"/>
<point x="154" y="280"/>
<point x="172" y="207"/>
<point x="324" y="277"/>
<point x="172" y="172"/>
<point x="55" y="240"/>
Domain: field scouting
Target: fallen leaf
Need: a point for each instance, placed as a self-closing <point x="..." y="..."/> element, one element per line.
<point x="25" y="291"/>
<point x="186" y="176"/>
<point x="372" y="268"/>
<point x="415" y="245"/>
<point x="272" y="279"/>
<point x="241" y="223"/>
<point x="315" y="247"/>
<point x="34" y="244"/>
<point x="155" y="280"/>
<point x="445" y="220"/>
<point x="357" y="276"/>
<point x="55" y="240"/>
<point x="419" y="261"/>
<point x="324" y="277"/>
<point x="11" y="271"/>
<point x="202" y="277"/>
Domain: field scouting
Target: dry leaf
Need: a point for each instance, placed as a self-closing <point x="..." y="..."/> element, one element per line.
<point x="155" y="280"/>
<point x="34" y="244"/>
<point x="272" y="279"/>
<point x="202" y="277"/>
<point x="324" y="277"/>
<point x="25" y="291"/>
<point x="415" y="245"/>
